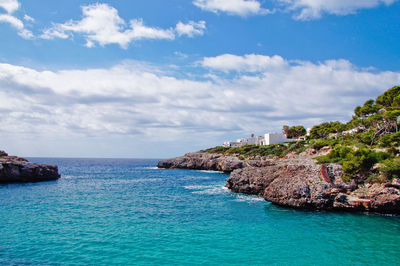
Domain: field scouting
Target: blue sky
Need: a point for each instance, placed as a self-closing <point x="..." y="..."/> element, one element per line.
<point x="160" y="78"/>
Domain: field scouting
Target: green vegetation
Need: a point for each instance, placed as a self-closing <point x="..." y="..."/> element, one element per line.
<point x="294" y="131"/>
<point x="355" y="162"/>
<point x="368" y="146"/>
<point x="252" y="151"/>
<point x="325" y="129"/>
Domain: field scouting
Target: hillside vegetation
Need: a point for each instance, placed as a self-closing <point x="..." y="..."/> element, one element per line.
<point x="368" y="146"/>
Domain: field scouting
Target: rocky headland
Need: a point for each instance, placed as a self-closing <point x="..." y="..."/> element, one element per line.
<point x="15" y="169"/>
<point x="296" y="181"/>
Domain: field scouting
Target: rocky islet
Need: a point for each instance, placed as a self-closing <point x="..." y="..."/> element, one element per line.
<point x="15" y="169"/>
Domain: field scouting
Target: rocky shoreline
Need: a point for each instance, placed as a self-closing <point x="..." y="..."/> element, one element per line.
<point x="15" y="169"/>
<point x="296" y="181"/>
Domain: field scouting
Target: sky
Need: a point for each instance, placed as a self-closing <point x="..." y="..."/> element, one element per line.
<point x="156" y="78"/>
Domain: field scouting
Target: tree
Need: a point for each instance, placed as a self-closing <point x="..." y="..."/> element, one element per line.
<point x="326" y="128"/>
<point x="390" y="97"/>
<point x="357" y="111"/>
<point x="294" y="131"/>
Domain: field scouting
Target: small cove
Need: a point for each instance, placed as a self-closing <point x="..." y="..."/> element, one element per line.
<point x="126" y="211"/>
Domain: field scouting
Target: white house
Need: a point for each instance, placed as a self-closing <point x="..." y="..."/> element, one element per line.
<point x="268" y="139"/>
<point x="253" y="140"/>
<point x="229" y="144"/>
<point x="275" y="138"/>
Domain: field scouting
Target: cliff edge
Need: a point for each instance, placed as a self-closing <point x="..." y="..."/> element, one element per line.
<point x="15" y="169"/>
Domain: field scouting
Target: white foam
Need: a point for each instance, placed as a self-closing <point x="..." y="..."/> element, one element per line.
<point x="195" y="178"/>
<point x="150" y="168"/>
<point x="212" y="191"/>
<point x="197" y="187"/>
<point x="221" y="189"/>
<point x="131" y="181"/>
<point x="208" y="190"/>
<point x="247" y="198"/>
<point x="210" y="171"/>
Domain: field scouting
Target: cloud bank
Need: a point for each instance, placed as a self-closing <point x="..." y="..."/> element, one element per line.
<point x="137" y="99"/>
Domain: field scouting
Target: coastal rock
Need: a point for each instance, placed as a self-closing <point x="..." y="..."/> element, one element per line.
<point x="384" y="199"/>
<point x="296" y="181"/>
<point x="15" y="169"/>
<point x="302" y="183"/>
<point x="203" y="161"/>
<point x="290" y="182"/>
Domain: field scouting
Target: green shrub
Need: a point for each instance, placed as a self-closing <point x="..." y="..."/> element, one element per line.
<point x="351" y="166"/>
<point x="354" y="162"/>
<point x="218" y="149"/>
<point x="326" y="128"/>
<point x="390" y="140"/>
<point x="376" y="178"/>
<point x="279" y="150"/>
<point x="390" y="168"/>
<point x="365" y="137"/>
<point x="318" y="144"/>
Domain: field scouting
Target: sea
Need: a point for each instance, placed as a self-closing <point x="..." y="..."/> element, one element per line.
<point x="129" y="212"/>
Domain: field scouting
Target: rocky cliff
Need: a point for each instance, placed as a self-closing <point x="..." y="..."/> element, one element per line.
<point x="297" y="182"/>
<point x="15" y="169"/>
<point x="203" y="161"/>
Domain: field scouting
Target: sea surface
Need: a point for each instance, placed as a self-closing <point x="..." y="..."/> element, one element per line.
<point x="128" y="212"/>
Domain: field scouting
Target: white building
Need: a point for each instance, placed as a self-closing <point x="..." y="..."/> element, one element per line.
<point x="275" y="138"/>
<point x="229" y="144"/>
<point x="253" y="140"/>
<point x="268" y="139"/>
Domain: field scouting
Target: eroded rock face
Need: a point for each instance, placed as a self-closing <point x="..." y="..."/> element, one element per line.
<point x="290" y="182"/>
<point x="14" y="169"/>
<point x="296" y="181"/>
<point x="302" y="183"/>
<point x="203" y="161"/>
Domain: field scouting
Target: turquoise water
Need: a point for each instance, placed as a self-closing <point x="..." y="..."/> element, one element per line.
<point x="129" y="212"/>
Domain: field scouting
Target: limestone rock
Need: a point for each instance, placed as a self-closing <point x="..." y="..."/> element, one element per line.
<point x="296" y="181"/>
<point x="203" y="161"/>
<point x="15" y="169"/>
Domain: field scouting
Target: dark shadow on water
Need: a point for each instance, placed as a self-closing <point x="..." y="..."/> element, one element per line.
<point x="291" y="210"/>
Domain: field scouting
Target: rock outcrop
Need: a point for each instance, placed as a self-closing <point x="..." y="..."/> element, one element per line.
<point x="296" y="182"/>
<point x="203" y="161"/>
<point x="15" y="169"/>
<point x="291" y="182"/>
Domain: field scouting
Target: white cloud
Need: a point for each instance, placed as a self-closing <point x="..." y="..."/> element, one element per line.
<point x="246" y="63"/>
<point x="9" y="5"/>
<point x="13" y="21"/>
<point x="54" y="32"/>
<point x="101" y="24"/>
<point x="29" y="18"/>
<point x="314" y="9"/>
<point x="232" y="7"/>
<point x="191" y="28"/>
<point x="137" y="99"/>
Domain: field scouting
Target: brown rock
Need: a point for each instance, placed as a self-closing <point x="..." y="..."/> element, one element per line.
<point x="203" y="161"/>
<point x="15" y="169"/>
<point x="296" y="181"/>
